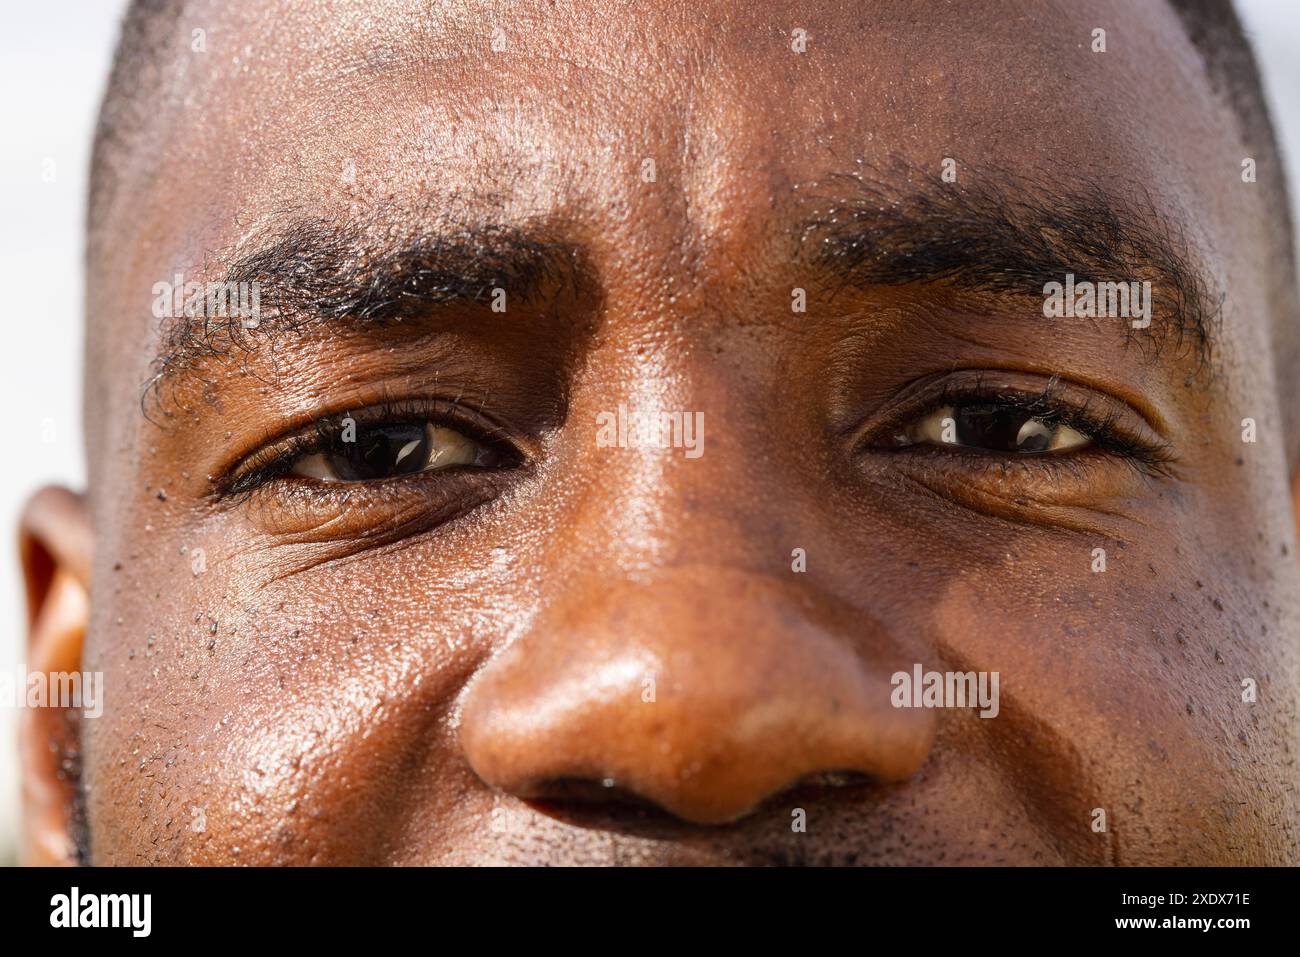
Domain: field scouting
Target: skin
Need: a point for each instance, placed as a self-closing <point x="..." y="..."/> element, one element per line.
<point x="325" y="692"/>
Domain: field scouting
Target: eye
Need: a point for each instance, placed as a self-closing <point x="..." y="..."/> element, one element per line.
<point x="992" y="427"/>
<point x="389" y="450"/>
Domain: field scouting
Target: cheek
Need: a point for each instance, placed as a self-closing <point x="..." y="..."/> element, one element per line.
<point x="1121" y="693"/>
<point x="308" y="721"/>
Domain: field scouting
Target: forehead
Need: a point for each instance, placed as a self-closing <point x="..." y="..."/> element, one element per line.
<point x="562" y="111"/>
<point x="547" y="99"/>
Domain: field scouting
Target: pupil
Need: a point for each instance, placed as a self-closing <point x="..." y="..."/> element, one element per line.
<point x="1000" y="429"/>
<point x="382" y="452"/>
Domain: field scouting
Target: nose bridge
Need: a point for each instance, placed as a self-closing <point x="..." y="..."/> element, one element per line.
<point x="701" y="688"/>
<point x="674" y="474"/>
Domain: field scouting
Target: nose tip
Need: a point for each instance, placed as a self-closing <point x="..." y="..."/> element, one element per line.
<point x="704" y="692"/>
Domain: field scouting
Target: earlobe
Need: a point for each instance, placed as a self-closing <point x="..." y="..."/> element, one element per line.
<point x="55" y="552"/>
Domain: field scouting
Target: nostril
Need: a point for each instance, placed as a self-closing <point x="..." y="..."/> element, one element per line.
<point x="599" y="804"/>
<point x="832" y="779"/>
<point x="604" y="805"/>
<point x="572" y="796"/>
<point x="836" y="786"/>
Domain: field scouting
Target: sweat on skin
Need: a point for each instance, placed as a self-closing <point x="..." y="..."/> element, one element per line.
<point x="431" y="644"/>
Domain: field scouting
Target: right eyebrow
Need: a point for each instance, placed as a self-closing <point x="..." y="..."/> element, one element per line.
<point x="323" y="271"/>
<point x="1010" y="234"/>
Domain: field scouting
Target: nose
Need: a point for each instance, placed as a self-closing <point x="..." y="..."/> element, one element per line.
<point x="703" y="690"/>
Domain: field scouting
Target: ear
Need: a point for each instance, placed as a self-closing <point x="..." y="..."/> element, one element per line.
<point x="54" y="543"/>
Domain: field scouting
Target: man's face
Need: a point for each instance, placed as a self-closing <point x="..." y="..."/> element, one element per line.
<point x="575" y="645"/>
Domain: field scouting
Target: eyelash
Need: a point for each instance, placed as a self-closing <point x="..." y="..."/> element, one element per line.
<point x="1103" y="427"/>
<point x="274" y="462"/>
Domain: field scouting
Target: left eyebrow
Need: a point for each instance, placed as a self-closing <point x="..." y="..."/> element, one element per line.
<point x="1006" y="235"/>
<point x="313" y="273"/>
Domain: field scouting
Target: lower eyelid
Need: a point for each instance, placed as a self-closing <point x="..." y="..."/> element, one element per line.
<point x="1084" y="497"/>
<point x="308" y="511"/>
<point x="1088" y="474"/>
<point x="967" y="475"/>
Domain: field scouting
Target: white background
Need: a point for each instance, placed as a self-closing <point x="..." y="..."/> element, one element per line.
<point x="54" y="59"/>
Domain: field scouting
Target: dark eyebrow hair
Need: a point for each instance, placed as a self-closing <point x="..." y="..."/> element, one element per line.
<point x="321" y="270"/>
<point x="1010" y="235"/>
<point x="992" y="233"/>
